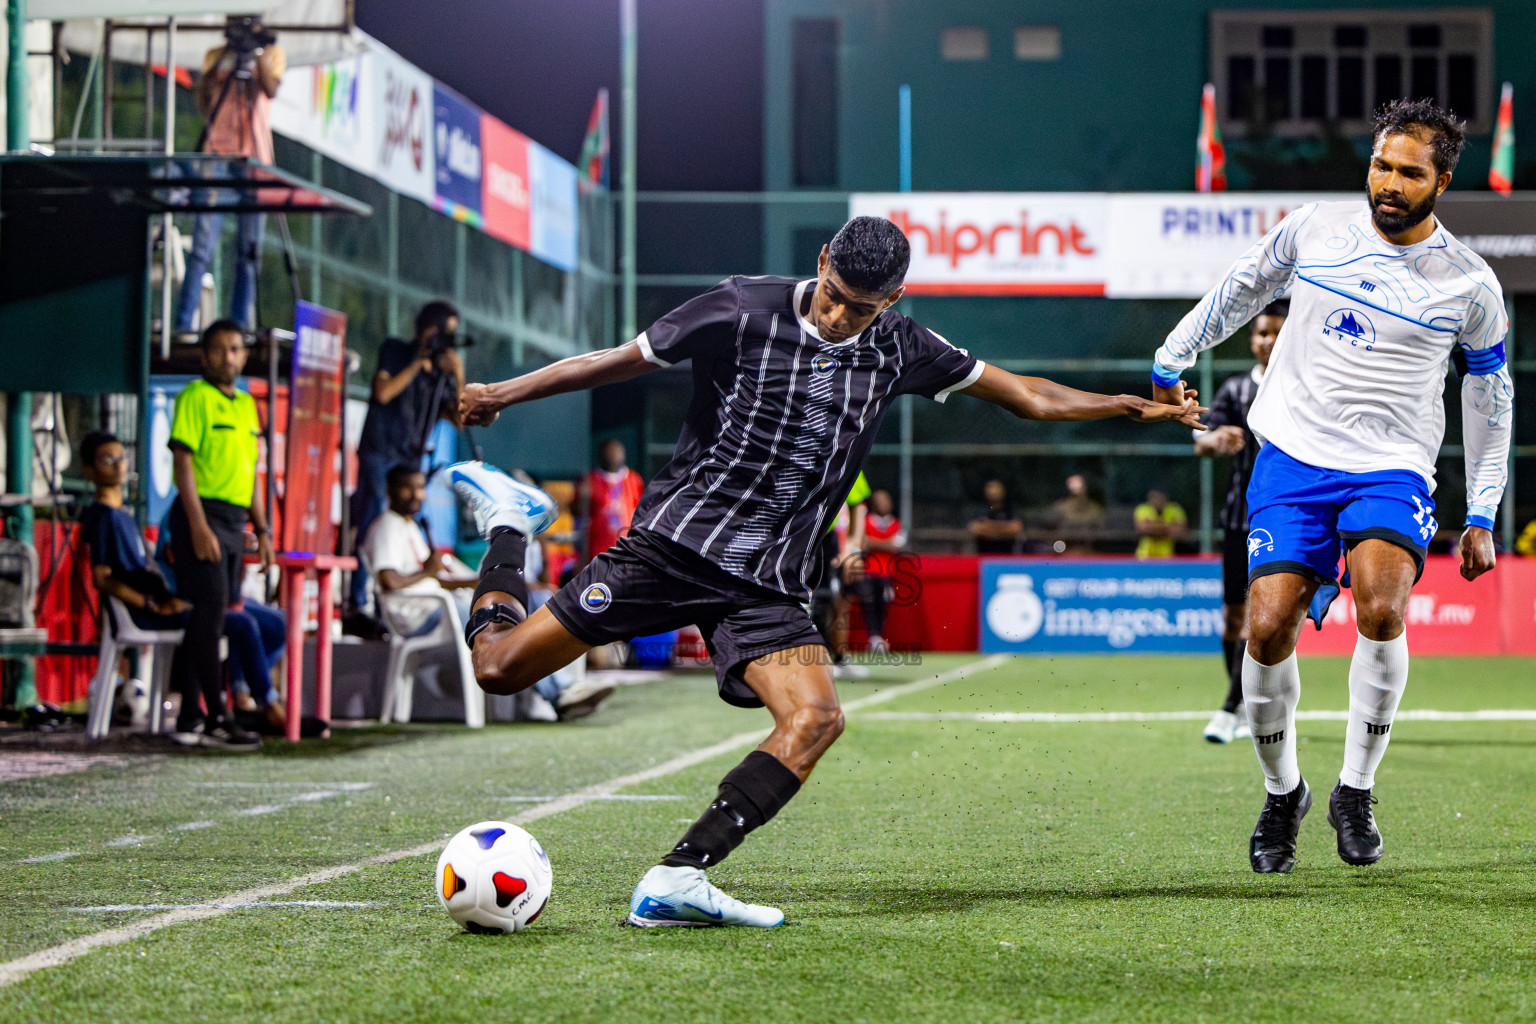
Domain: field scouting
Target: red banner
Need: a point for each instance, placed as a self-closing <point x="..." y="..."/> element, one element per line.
<point x="506" y="198"/>
<point x="314" y="428"/>
<point x="1447" y="615"/>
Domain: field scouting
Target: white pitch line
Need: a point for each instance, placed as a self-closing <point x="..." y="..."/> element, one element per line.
<point x="54" y="956"/>
<point x="124" y="908"/>
<point x="1052" y="717"/>
<point x="48" y="858"/>
<point x="617" y="797"/>
<point x="273" y="785"/>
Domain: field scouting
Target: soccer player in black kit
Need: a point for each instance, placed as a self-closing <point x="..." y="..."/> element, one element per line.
<point x="790" y="382"/>
<point x="1228" y="434"/>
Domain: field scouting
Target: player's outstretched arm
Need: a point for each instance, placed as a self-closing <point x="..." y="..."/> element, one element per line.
<point x="1035" y="398"/>
<point x="479" y="404"/>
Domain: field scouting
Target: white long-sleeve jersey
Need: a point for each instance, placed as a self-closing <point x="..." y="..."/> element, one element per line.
<point x="1356" y="377"/>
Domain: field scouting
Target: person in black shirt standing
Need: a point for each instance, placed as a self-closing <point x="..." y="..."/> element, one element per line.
<point x="418" y="383"/>
<point x="1229" y="435"/>
<point x="791" y="381"/>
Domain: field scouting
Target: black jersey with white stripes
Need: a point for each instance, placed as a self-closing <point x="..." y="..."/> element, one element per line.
<point x="780" y="422"/>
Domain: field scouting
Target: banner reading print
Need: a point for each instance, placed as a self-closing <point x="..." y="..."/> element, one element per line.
<point x="1100" y="607"/>
<point x="314" y="427"/>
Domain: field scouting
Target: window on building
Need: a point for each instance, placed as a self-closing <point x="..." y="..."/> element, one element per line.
<point x="814" y="55"/>
<point x="1037" y="42"/>
<point x="964" y="42"/>
<point x="1295" y="71"/>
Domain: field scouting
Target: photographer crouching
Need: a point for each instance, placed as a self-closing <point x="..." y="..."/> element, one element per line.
<point x="234" y="94"/>
<point x="417" y="383"/>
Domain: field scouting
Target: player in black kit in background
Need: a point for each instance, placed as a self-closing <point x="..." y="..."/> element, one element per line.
<point x="790" y="382"/>
<point x="1229" y="435"/>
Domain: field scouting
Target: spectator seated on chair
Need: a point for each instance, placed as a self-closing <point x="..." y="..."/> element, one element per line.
<point x="120" y="564"/>
<point x="257" y="635"/>
<point x="402" y="561"/>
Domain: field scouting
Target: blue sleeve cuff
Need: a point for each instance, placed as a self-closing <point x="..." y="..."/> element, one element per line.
<point x="1480" y="515"/>
<point x="1163" y="377"/>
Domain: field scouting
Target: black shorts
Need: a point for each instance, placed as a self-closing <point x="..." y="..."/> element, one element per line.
<point x="646" y="584"/>
<point x="1234" y="567"/>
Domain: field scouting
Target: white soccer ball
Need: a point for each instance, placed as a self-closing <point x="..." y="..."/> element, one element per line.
<point x="494" y="877"/>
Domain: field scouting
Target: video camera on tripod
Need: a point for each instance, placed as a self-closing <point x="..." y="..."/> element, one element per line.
<point x="245" y="35"/>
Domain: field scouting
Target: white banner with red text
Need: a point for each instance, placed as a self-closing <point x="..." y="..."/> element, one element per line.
<point x="1120" y="245"/>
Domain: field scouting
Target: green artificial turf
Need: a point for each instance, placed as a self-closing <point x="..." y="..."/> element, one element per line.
<point x="931" y="870"/>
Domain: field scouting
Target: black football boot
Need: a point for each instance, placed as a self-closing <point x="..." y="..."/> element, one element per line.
<point x="1272" y="848"/>
<point x="1349" y="812"/>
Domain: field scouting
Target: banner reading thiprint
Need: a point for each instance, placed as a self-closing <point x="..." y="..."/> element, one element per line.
<point x="314" y="427"/>
<point x="997" y="243"/>
<point x="456" y="135"/>
<point x="1100" y="607"/>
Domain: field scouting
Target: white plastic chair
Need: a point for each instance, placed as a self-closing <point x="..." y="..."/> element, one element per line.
<point x="119" y="632"/>
<point x="399" y="680"/>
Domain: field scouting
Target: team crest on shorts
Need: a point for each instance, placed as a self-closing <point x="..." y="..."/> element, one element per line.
<point x="1260" y="538"/>
<point x="1352" y="326"/>
<point x="823" y="365"/>
<point x="596" y="597"/>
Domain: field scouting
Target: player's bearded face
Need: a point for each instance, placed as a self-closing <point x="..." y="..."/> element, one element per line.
<point x="1394" y="212"/>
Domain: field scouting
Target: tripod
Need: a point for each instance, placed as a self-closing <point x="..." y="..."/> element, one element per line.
<point x="245" y="73"/>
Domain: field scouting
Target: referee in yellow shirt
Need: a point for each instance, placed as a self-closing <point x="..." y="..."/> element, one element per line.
<point x="213" y="439"/>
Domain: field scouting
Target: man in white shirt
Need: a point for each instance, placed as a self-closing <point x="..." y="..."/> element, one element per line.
<point x="1350" y="414"/>
<point x="401" y="560"/>
<point x="398" y="554"/>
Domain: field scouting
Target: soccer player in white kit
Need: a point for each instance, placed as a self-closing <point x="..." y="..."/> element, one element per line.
<point x="1351" y="419"/>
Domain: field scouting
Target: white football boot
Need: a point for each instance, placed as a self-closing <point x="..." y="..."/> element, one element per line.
<point x="684" y="898"/>
<point x="498" y="500"/>
<point x="1222" y="728"/>
<point x="1243" y="732"/>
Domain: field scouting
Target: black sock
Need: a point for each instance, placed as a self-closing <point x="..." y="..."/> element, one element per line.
<point x="750" y="795"/>
<point x="502" y="567"/>
<point x="1234" y="672"/>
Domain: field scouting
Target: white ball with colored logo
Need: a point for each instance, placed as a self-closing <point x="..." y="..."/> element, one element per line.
<point x="494" y="877"/>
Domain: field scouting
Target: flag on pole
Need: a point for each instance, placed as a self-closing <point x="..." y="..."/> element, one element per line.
<point x="594" y="149"/>
<point x="1501" y="173"/>
<point x="1211" y="170"/>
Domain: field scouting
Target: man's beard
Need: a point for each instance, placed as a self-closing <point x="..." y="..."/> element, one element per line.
<point x="1396" y="223"/>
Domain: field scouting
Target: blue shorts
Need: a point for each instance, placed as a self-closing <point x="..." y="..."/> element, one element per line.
<point x="1301" y="517"/>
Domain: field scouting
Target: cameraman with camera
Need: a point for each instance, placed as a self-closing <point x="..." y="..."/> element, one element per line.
<point x="417" y="383"/>
<point x="234" y="94"/>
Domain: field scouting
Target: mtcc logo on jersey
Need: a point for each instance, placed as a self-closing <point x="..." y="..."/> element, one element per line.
<point x="1352" y="326"/>
<point x="1015" y="612"/>
<point x="596" y="597"/>
<point x="823" y="365"/>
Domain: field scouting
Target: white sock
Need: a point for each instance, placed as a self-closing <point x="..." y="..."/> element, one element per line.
<point x="1270" y="695"/>
<point x="1377" y="675"/>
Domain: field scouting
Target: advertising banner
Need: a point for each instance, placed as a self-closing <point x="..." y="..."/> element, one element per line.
<point x="378" y="114"/>
<point x="997" y="243"/>
<point x="456" y="136"/>
<point x="402" y="131"/>
<point x="1493" y="614"/>
<point x="1146" y="245"/>
<point x="328" y="108"/>
<point x="1105" y="606"/>
<point x="314" y="428"/>
<point x="505" y="198"/>
<point x="552" y="219"/>
<point x="1178" y="245"/>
